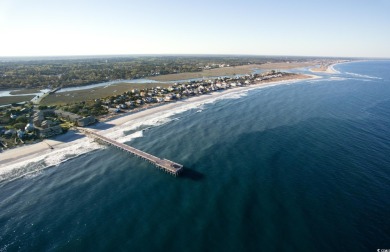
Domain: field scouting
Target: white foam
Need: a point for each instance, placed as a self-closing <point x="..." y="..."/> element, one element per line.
<point x="363" y="76"/>
<point x="4" y="248"/>
<point x="328" y="79"/>
<point x="361" y="79"/>
<point x="49" y="159"/>
<point x="32" y="167"/>
<point x="118" y="133"/>
<point x="331" y="68"/>
<point x="130" y="137"/>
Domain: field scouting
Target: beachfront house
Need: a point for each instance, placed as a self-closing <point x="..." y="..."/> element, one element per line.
<point x="130" y="103"/>
<point x="51" y="131"/>
<point x="29" y="127"/>
<point x="21" y="134"/>
<point x="76" y="119"/>
<point x="9" y="133"/>
<point x="71" y="117"/>
<point x="47" y="124"/>
<point x="86" y="121"/>
<point x="113" y="110"/>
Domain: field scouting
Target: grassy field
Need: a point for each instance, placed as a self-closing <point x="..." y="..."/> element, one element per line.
<point x="14" y="99"/>
<point x="246" y="69"/>
<point x="207" y="73"/>
<point x="102" y="92"/>
<point x="95" y="93"/>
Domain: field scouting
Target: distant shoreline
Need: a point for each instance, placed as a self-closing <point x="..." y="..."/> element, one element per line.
<point x="328" y="68"/>
<point x="15" y="95"/>
<point x="34" y="151"/>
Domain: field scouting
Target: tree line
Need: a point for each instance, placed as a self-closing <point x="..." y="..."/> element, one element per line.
<point x="67" y="72"/>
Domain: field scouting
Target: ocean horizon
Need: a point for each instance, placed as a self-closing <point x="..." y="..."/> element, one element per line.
<point x="302" y="166"/>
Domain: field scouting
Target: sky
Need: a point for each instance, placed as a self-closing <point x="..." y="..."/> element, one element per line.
<point x="340" y="28"/>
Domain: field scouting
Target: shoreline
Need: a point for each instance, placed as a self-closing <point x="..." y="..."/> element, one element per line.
<point x="165" y="79"/>
<point x="328" y="69"/>
<point x="34" y="151"/>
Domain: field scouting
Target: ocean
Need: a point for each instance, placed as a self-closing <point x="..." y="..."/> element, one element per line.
<point x="303" y="166"/>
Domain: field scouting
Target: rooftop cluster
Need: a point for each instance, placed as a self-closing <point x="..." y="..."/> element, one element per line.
<point x="28" y="123"/>
<point x="135" y="98"/>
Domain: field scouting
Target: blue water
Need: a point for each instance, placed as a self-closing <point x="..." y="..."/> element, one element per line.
<point x="299" y="167"/>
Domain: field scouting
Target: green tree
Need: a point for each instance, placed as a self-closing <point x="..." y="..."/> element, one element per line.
<point x="19" y="125"/>
<point x="22" y="119"/>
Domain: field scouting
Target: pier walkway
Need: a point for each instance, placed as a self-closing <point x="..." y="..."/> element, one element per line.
<point x="164" y="164"/>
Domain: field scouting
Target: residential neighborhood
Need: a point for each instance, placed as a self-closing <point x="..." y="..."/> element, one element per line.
<point x="135" y="98"/>
<point x="28" y="123"/>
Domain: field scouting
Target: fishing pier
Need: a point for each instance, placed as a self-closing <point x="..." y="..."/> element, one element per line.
<point x="164" y="164"/>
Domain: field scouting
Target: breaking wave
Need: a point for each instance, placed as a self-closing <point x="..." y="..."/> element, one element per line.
<point x="363" y="76"/>
<point x="124" y="133"/>
<point x="33" y="166"/>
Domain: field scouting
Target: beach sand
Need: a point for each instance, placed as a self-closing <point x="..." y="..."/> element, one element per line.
<point x="327" y="68"/>
<point x="21" y="154"/>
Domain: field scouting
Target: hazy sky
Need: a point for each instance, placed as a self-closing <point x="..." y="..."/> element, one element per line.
<point x="76" y="27"/>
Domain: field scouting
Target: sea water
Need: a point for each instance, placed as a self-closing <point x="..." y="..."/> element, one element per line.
<point x="297" y="167"/>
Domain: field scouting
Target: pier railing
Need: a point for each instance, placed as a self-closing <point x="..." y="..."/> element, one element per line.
<point x="164" y="164"/>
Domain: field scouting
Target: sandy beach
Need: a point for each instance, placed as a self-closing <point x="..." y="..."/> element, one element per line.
<point x="328" y="67"/>
<point x="48" y="146"/>
<point x="325" y="69"/>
